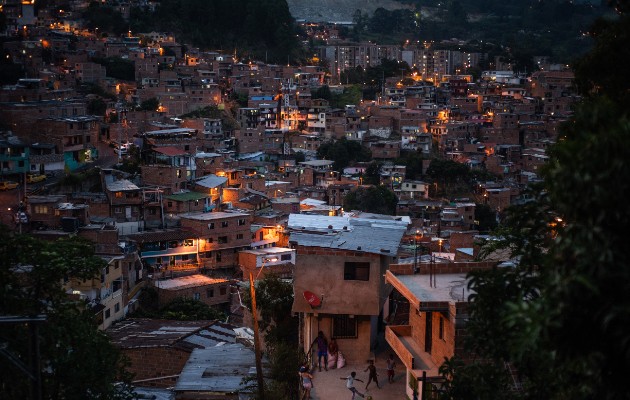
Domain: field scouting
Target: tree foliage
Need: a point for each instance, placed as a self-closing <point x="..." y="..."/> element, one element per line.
<point x="78" y="361"/>
<point x="104" y="17"/>
<point x="261" y="29"/>
<point x="274" y="299"/>
<point x="448" y="174"/>
<point x="151" y="104"/>
<point x="344" y="152"/>
<point x="116" y="67"/>
<point x="563" y="311"/>
<point x="374" y="199"/>
<point x="412" y="160"/>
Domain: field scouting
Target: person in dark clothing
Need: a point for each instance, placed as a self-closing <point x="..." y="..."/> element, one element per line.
<point x="322" y="350"/>
<point x="373" y="375"/>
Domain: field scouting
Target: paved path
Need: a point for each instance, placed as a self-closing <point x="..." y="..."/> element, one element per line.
<point x="330" y="386"/>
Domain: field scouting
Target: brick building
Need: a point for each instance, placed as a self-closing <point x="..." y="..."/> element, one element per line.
<point x="221" y="236"/>
<point x="210" y="291"/>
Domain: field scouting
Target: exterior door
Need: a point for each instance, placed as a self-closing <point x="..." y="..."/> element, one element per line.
<point x="428" y="333"/>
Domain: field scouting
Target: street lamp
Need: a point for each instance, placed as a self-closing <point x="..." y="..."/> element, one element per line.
<point x="415" y="250"/>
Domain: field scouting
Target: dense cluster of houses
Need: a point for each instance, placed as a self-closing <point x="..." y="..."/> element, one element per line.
<point x="218" y="198"/>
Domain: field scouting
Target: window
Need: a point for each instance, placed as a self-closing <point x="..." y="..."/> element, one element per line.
<point x="356" y="271"/>
<point x="209" y="292"/>
<point x="169" y="204"/>
<point x="118" y="210"/>
<point x="223" y="239"/>
<point x="223" y="290"/>
<point x="344" y="326"/>
<point x="285" y="257"/>
<point x="118" y="195"/>
<point x="218" y="257"/>
<point x="211" y="225"/>
<point x="210" y="240"/>
<point x="241" y="222"/>
<point x="117" y="307"/>
<point x="225" y="224"/>
<point x="40" y="209"/>
<point x="441" y="328"/>
<point x="179" y="173"/>
<point x="239" y="236"/>
<point x="184" y="257"/>
<point x="107" y="313"/>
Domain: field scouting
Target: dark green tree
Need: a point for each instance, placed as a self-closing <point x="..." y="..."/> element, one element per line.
<point x="374" y="199"/>
<point x="343" y="152"/>
<point x="322" y="93"/>
<point x="274" y="299"/>
<point x="77" y="360"/>
<point x="372" y="174"/>
<point x="96" y="106"/>
<point x="150" y="104"/>
<point x="189" y="310"/>
<point x="447" y="174"/>
<point x="563" y="312"/>
<point x="412" y="160"/>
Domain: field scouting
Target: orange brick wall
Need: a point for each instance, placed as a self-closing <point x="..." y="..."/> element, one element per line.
<point x="155" y="362"/>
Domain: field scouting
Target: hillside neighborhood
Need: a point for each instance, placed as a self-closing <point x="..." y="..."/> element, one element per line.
<point x="194" y="171"/>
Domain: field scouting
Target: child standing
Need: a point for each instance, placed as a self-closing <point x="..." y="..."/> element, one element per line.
<point x="307" y="383"/>
<point x="373" y="375"/>
<point x="391" y="364"/>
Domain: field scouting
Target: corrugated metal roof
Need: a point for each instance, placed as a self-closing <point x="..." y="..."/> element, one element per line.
<point x="211" y="181"/>
<point x="218" y="369"/>
<point x="209" y="216"/>
<point x="368" y="239"/>
<point x="186" y="335"/>
<point x="187" y="196"/>
<point x="120" y="185"/>
<point x="133" y="333"/>
<point x="318" y="222"/>
<point x="169" y="131"/>
<point x="187" y="282"/>
<point x="162" y="236"/>
<point x="325" y="222"/>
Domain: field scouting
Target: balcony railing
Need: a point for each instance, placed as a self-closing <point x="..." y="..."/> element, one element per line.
<point x="400" y="338"/>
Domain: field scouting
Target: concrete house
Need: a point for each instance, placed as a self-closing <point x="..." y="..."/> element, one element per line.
<point x="429" y="320"/>
<point x="341" y="262"/>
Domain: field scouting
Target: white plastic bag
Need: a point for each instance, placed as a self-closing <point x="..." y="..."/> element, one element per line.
<point x="341" y="361"/>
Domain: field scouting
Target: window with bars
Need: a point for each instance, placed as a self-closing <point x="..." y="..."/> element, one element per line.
<point x="344" y="326"/>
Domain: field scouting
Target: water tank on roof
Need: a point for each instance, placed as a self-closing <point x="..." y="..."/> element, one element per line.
<point x="70" y="224"/>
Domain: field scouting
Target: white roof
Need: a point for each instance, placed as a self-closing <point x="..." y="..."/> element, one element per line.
<point x="186" y="282"/>
<point x="211" y="181"/>
<point x="209" y="216"/>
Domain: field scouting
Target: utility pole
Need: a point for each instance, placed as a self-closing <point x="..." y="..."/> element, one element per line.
<point x="415" y="252"/>
<point x="259" y="373"/>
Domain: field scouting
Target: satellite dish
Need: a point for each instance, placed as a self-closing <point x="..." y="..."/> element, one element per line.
<point x="312" y="299"/>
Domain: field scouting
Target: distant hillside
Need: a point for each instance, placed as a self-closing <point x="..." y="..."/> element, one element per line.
<point x="337" y="10"/>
